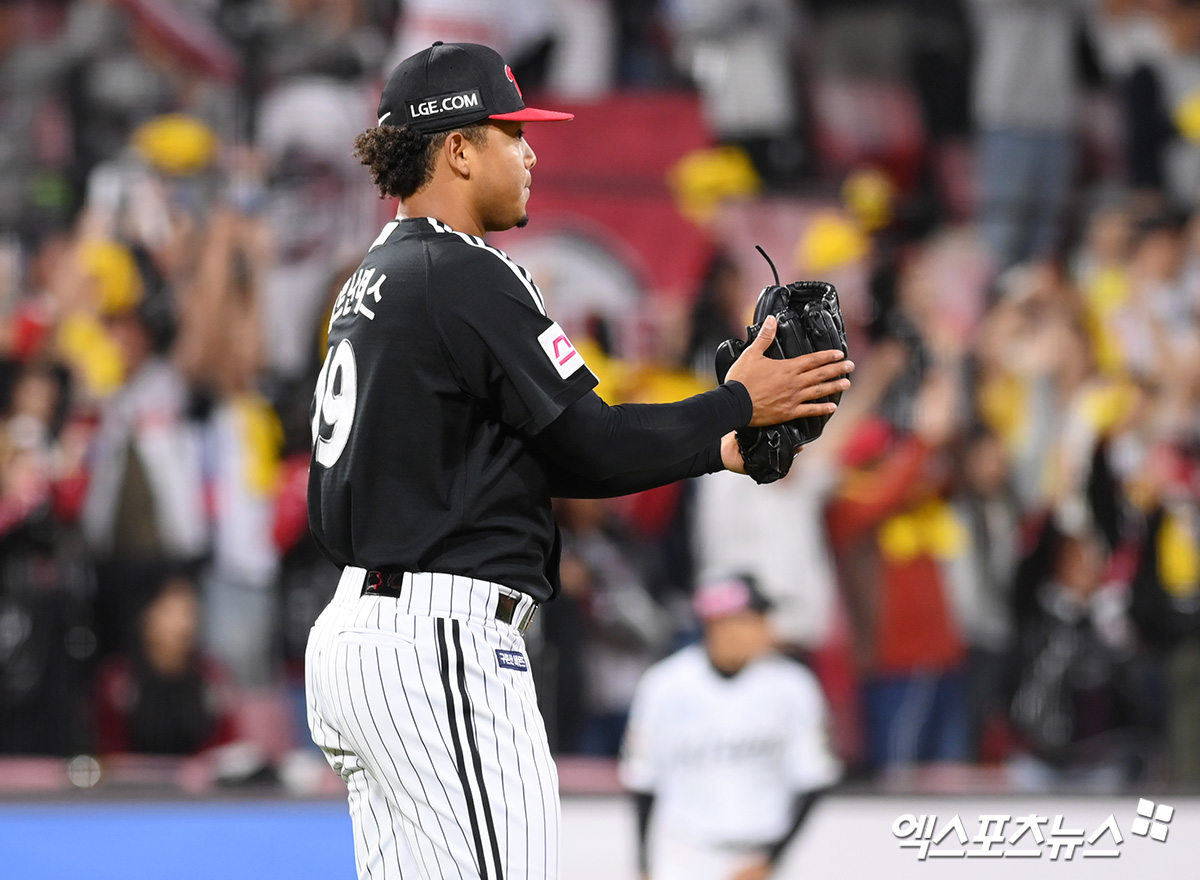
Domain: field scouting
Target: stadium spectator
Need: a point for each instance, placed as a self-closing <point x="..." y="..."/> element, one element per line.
<point x="1080" y="693"/>
<point x="1027" y="96"/>
<point x="892" y="532"/>
<point x="144" y="502"/>
<point x="164" y="697"/>
<point x="1165" y="601"/>
<point x="980" y="580"/>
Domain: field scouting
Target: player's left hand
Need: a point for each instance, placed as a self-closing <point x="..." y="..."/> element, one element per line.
<point x="758" y="870"/>
<point x="731" y="456"/>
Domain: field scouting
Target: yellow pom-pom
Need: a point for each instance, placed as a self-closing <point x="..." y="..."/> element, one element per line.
<point x="945" y="535"/>
<point x="869" y="195"/>
<point x="658" y="384"/>
<point x="262" y="438"/>
<point x="88" y="348"/>
<point x="829" y="242"/>
<point x="1107" y="405"/>
<point x="176" y="144"/>
<point x="114" y="272"/>
<point x="702" y="179"/>
<point x="1107" y="290"/>
<point x="611" y="374"/>
<point x="900" y="538"/>
<point x="1187" y="116"/>
<point x="1003" y="407"/>
<point x="1178" y="558"/>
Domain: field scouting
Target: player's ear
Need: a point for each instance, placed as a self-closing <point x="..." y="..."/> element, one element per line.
<point x="457" y="151"/>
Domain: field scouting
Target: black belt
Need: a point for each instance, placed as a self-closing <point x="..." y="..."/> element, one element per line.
<point x="379" y="583"/>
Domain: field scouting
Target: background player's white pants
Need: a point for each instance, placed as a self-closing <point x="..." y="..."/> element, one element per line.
<point x="675" y="857"/>
<point x="442" y="748"/>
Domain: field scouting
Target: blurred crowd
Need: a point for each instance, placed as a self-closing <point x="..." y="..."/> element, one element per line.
<point x="991" y="556"/>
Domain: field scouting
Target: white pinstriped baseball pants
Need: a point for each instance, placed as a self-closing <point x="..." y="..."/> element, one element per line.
<point x="442" y="748"/>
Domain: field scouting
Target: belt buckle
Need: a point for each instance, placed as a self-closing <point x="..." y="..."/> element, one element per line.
<point x="527" y="618"/>
<point x="506" y="611"/>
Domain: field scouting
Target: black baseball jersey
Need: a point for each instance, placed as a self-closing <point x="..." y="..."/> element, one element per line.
<point x="441" y="365"/>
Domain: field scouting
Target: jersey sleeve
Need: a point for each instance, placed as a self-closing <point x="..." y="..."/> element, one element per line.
<point x="811" y="763"/>
<point x="636" y="766"/>
<point x="501" y="345"/>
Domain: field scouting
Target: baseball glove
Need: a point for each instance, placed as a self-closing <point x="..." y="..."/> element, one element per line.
<point x="810" y="319"/>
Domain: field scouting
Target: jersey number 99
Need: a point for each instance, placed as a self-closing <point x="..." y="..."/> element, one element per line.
<point x="334" y="402"/>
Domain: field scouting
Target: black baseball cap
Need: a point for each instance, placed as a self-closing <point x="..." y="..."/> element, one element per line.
<point x="450" y="85"/>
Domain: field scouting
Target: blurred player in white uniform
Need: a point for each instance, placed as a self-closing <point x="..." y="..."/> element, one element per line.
<point x="727" y="746"/>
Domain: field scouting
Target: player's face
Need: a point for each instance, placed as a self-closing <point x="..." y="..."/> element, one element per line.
<point x="506" y="163"/>
<point x="734" y="640"/>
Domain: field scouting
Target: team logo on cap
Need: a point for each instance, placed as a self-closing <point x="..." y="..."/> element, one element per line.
<point x="512" y="79"/>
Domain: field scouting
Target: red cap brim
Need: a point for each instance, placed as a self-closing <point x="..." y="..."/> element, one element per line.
<point x="532" y="114"/>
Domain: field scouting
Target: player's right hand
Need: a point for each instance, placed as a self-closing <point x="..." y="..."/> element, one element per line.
<point x="780" y="389"/>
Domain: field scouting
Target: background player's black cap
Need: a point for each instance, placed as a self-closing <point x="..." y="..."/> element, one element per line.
<point x="450" y="85"/>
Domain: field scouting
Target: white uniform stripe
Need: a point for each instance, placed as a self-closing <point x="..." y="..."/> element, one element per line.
<point x="478" y="601"/>
<point x="398" y="852"/>
<point x="359" y="802"/>
<point x="387" y="230"/>
<point x="420" y="776"/>
<point x="381" y="831"/>
<point x="522" y="276"/>
<point x="524" y="717"/>
<point x="552" y="812"/>
<point x="383" y="745"/>
<point x="357" y="783"/>
<point x="517" y="765"/>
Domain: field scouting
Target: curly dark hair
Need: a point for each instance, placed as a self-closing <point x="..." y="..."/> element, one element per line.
<point x="401" y="160"/>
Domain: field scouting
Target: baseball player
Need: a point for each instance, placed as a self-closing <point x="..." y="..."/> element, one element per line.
<point x="726" y="747"/>
<point x="449" y="410"/>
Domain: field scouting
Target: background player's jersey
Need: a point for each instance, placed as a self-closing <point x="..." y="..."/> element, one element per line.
<point x="725" y="757"/>
<point x="441" y="364"/>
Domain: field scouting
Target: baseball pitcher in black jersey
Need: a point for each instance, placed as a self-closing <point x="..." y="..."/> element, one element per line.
<point x="449" y="410"/>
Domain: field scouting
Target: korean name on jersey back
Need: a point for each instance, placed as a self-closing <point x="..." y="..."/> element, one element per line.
<point x="356" y="294"/>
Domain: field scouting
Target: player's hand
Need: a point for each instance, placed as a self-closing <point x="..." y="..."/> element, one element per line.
<point x="731" y="456"/>
<point x="780" y="389"/>
<point x="758" y="870"/>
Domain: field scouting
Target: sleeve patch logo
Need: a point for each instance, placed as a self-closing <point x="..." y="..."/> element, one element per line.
<point x="560" y="350"/>
<point x="512" y="660"/>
